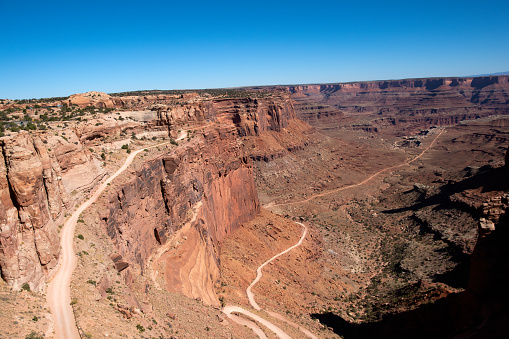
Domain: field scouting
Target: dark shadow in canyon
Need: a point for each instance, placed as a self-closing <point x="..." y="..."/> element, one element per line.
<point x="427" y="321"/>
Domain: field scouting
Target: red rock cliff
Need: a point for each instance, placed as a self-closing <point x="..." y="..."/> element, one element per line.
<point x="177" y="209"/>
<point x="251" y="116"/>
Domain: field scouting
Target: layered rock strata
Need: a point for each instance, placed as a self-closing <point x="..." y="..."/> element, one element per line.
<point x="251" y="116"/>
<point x="172" y="216"/>
<point x="427" y="93"/>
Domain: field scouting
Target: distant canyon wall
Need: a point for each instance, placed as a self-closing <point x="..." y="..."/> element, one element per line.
<point x="417" y="102"/>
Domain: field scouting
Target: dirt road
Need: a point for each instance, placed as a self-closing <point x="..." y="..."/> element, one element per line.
<point x="408" y="162"/>
<point x="59" y="291"/>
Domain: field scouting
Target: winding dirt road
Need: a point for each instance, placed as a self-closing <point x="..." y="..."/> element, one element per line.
<point x="58" y="294"/>
<point x="59" y="290"/>
<point x="228" y="310"/>
<point x="250" y="294"/>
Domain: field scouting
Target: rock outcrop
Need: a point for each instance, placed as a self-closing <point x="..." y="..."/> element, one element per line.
<point x="96" y="99"/>
<point x="32" y="199"/>
<point x="172" y="216"/>
<point x="481" y="308"/>
<point x="38" y="172"/>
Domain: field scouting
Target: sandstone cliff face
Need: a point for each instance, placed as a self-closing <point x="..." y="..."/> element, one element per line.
<point x="178" y="208"/>
<point x="251" y="116"/>
<point x="32" y="198"/>
<point x="427" y="84"/>
<point x="171" y="218"/>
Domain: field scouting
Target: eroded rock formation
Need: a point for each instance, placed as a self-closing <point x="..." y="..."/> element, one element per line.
<point x="407" y="103"/>
<point x="97" y="99"/>
<point x="32" y="198"/>
<point x="38" y="172"/>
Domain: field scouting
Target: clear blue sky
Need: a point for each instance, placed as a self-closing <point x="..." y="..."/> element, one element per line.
<point x="57" y="48"/>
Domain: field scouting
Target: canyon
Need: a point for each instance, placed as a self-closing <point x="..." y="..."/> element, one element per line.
<point x="401" y="186"/>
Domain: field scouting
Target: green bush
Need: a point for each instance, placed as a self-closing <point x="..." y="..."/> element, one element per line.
<point x="81" y="237"/>
<point x="33" y="335"/>
<point x="25" y="287"/>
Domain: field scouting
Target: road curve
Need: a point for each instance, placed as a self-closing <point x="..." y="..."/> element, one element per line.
<point x="279" y="332"/>
<point x="229" y="309"/>
<point x="59" y="290"/>
<point x="250" y="294"/>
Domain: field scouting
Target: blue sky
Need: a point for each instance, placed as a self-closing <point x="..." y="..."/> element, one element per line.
<point x="57" y="48"/>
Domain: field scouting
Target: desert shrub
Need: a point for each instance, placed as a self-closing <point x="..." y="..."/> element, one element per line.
<point x="33" y="335"/>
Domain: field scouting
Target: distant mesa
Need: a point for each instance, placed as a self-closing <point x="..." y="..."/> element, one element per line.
<point x="94" y="98"/>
